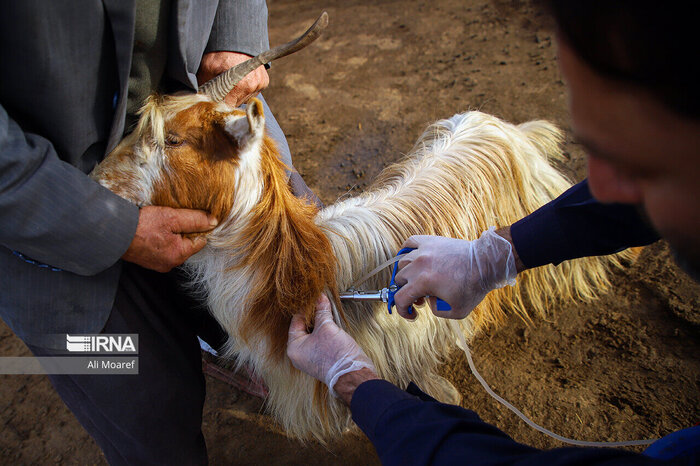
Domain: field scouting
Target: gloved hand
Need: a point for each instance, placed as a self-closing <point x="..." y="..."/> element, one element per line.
<point x="457" y="271"/>
<point x="326" y="353"/>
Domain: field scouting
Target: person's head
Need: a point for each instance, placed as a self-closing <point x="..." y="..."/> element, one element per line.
<point x="634" y="91"/>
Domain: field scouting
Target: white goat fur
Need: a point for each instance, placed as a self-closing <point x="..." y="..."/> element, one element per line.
<point x="465" y="174"/>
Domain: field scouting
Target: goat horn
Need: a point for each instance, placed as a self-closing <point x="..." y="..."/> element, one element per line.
<point x="219" y="87"/>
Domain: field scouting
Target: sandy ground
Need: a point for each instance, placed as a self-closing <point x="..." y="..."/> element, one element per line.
<point x="623" y="367"/>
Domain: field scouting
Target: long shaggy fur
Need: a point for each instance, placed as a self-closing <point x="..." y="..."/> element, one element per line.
<point x="273" y="255"/>
<point x="464" y="175"/>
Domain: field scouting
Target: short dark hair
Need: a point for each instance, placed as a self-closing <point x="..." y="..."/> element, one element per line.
<point x="653" y="44"/>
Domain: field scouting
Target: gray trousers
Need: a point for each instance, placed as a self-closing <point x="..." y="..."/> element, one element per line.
<point x="154" y="417"/>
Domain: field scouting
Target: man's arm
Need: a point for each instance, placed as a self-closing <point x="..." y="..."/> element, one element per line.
<point x="462" y="272"/>
<point x="239" y="26"/>
<point x="52" y="212"/>
<point x="409" y="427"/>
<point x="238" y="33"/>
<point x="576" y="225"/>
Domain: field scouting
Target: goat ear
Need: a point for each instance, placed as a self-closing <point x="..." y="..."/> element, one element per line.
<point x="247" y="129"/>
<point x="256" y="116"/>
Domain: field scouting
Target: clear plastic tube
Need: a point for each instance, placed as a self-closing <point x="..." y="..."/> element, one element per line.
<point x="378" y="269"/>
<point x="461" y="342"/>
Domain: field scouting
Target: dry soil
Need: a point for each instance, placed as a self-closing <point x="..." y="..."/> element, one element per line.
<point x="623" y="367"/>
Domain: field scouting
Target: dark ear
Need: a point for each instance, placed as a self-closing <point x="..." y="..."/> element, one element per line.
<point x="217" y="143"/>
<point x="247" y="128"/>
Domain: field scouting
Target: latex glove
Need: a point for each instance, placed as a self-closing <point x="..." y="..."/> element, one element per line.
<point x="328" y="352"/>
<point x="458" y="271"/>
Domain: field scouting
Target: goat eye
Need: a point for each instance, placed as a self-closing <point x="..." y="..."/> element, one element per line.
<point x="173" y="141"/>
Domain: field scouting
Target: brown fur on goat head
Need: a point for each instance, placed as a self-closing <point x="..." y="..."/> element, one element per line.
<point x="189" y="152"/>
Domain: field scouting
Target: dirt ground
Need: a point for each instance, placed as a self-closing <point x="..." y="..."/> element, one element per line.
<point x="623" y="367"/>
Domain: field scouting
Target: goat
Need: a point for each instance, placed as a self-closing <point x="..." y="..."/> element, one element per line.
<point x="272" y="254"/>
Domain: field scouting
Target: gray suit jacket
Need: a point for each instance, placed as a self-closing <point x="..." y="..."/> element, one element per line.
<point x="63" y="87"/>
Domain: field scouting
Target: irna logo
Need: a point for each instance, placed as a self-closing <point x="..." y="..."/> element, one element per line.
<point x="101" y="343"/>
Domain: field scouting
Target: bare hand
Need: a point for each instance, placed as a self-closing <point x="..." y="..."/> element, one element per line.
<point x="215" y="63"/>
<point x="159" y="243"/>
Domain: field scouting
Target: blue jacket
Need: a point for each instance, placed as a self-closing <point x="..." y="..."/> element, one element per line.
<point x="576" y="225"/>
<point x="411" y="428"/>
